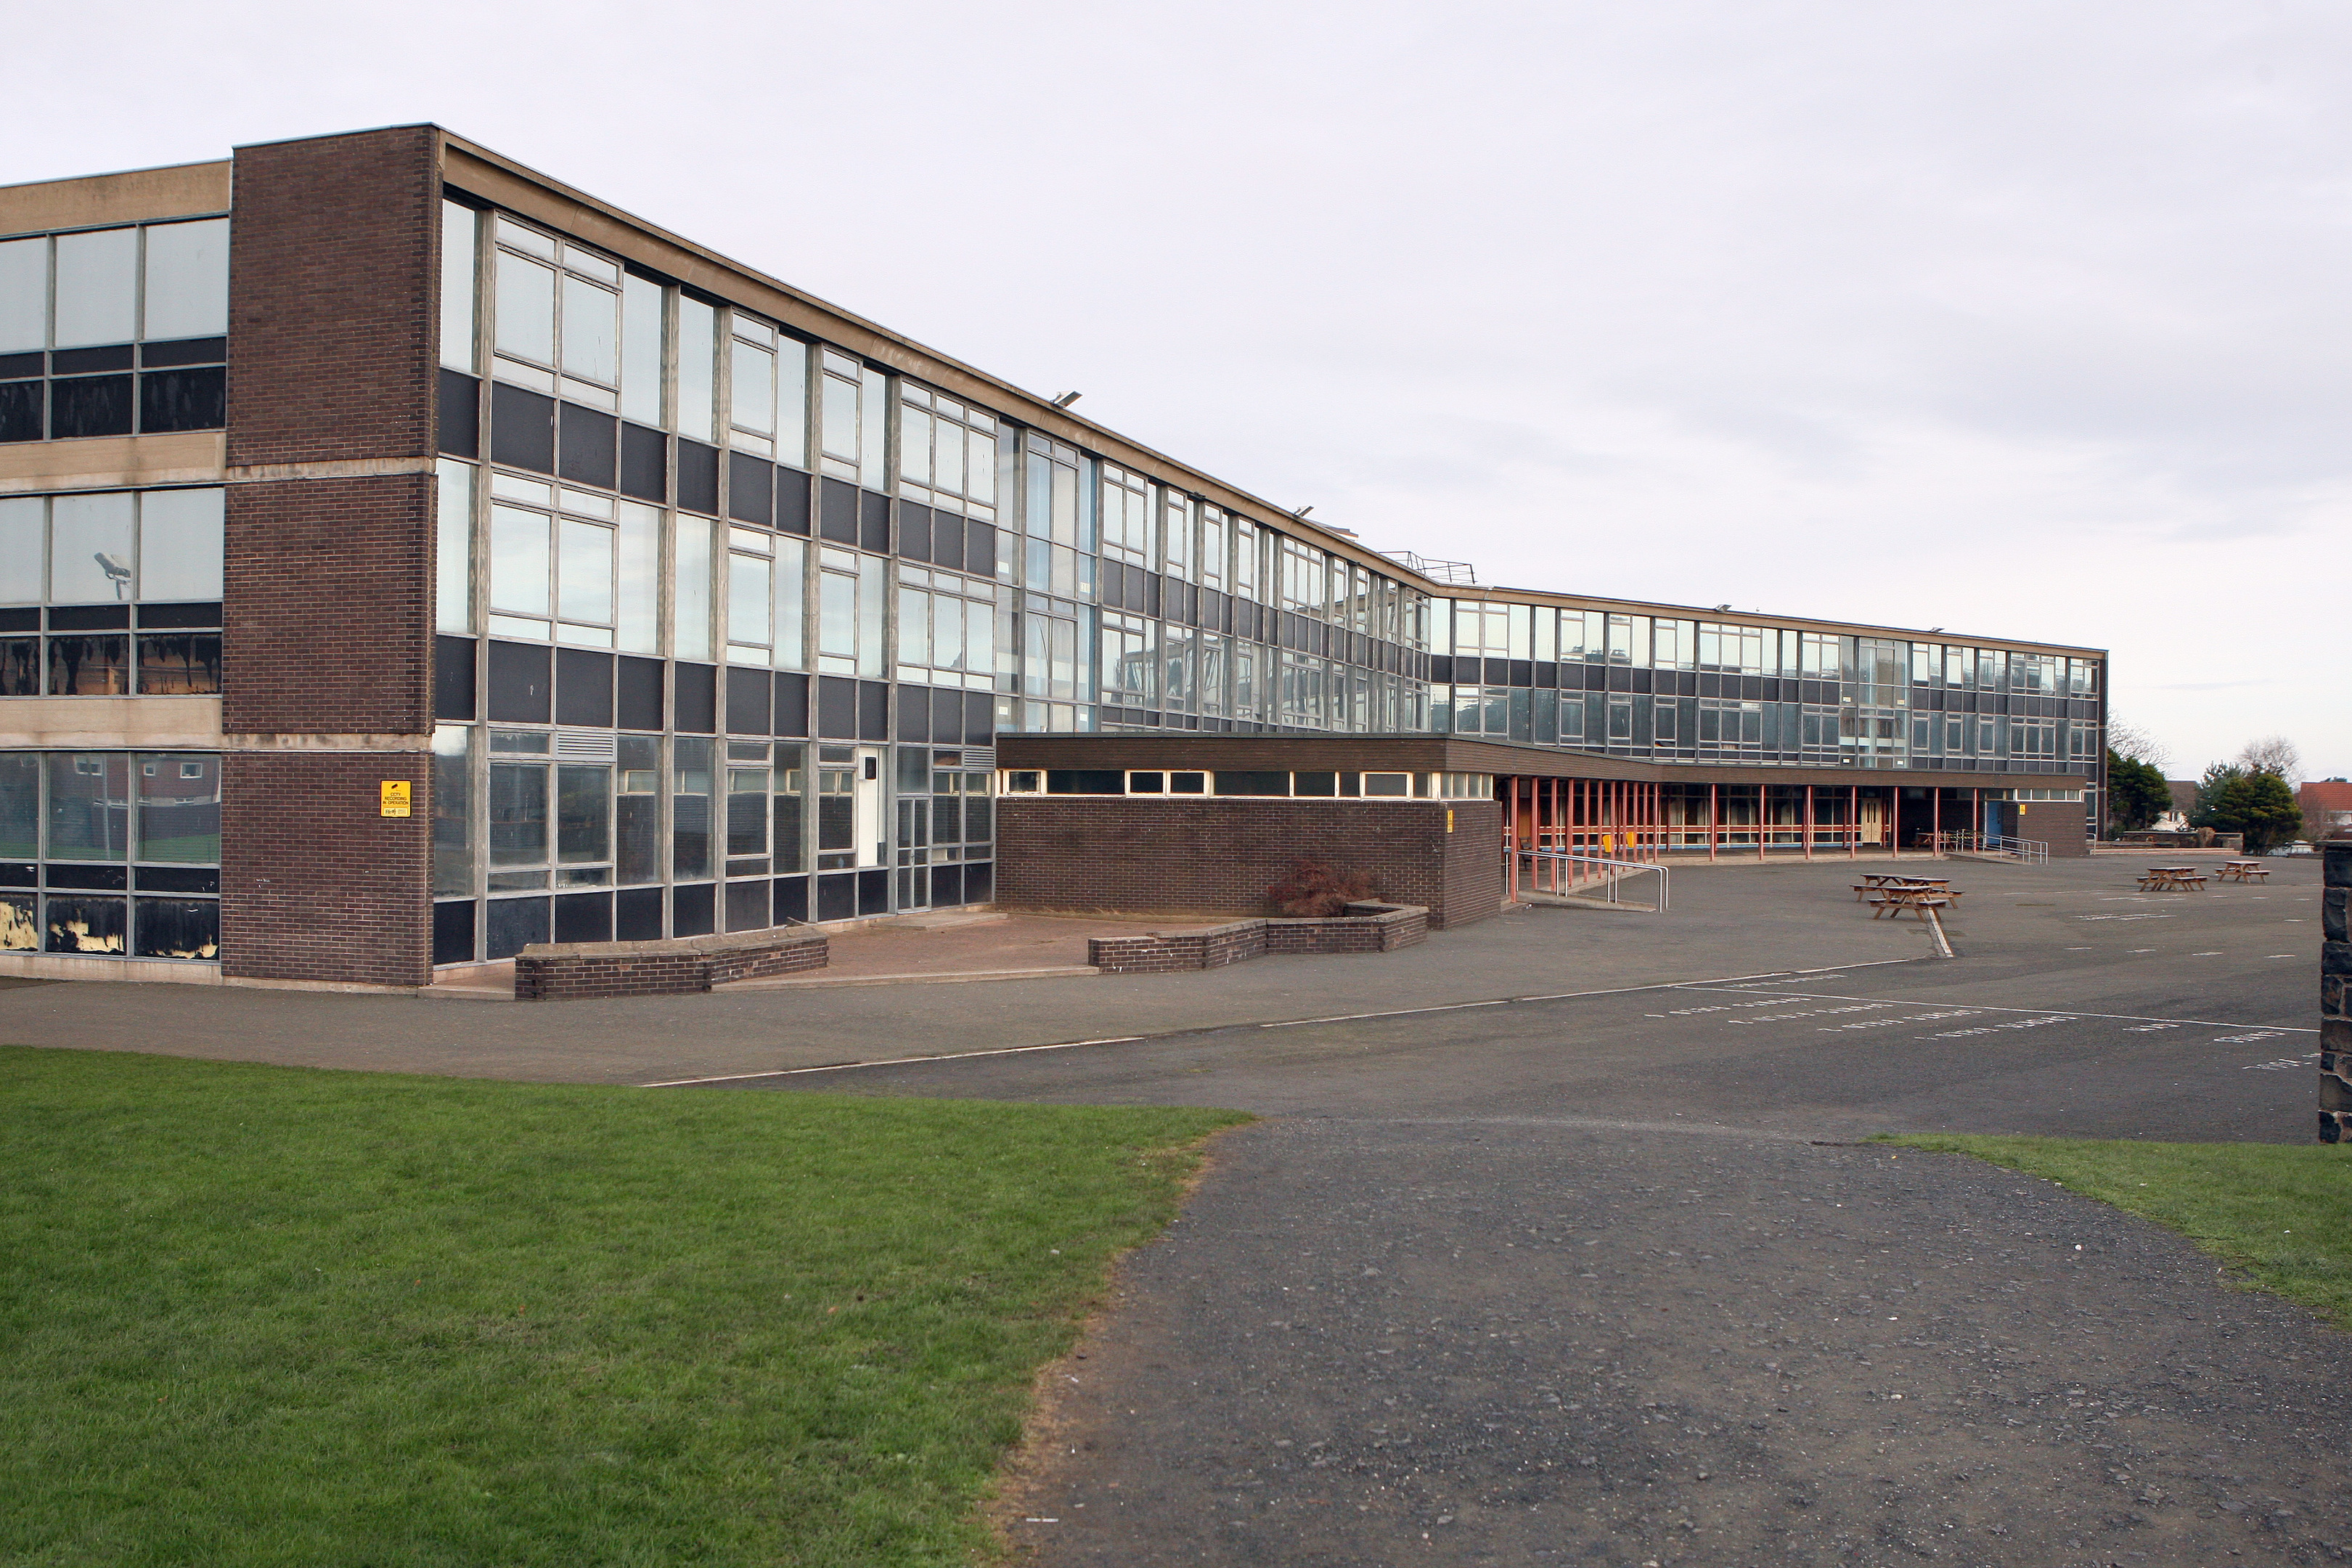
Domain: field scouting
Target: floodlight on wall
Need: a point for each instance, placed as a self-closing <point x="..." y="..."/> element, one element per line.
<point x="117" y="571"/>
<point x="1067" y="398"/>
<point x="1301" y="514"/>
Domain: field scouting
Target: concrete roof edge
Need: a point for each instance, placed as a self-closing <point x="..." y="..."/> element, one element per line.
<point x="1746" y="617"/>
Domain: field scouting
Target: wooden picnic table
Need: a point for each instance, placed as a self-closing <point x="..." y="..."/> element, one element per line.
<point x="1889" y="883"/>
<point x="1918" y="900"/>
<point x="2173" y="880"/>
<point x="2244" y="871"/>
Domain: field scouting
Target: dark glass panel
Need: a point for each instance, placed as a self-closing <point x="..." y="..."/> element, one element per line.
<point x="698" y="476"/>
<point x="645" y="463"/>
<point x="692" y="910"/>
<point x="587" y="457"/>
<point x="515" y="924"/>
<point x="790" y="907"/>
<point x="178" y="878"/>
<point x="873" y="710"/>
<point x="20" y="667"/>
<point x="750" y="488"/>
<point x="184" y="400"/>
<point x="637" y="914"/>
<point x="90" y="666"/>
<point x="1111" y="780"/>
<point x="453" y="932"/>
<point x="86" y="925"/>
<point x="14" y="365"/>
<point x="178" y="927"/>
<point x="584" y="916"/>
<point x="186" y="351"/>
<point x="837" y="516"/>
<point x="59" y="874"/>
<point x="89" y="617"/>
<point x="180" y="664"/>
<point x="200" y="616"/>
<point x="837" y="708"/>
<point x="461" y="422"/>
<point x="698" y="698"/>
<point x="874" y="522"/>
<point x="89" y="405"/>
<point x="793" y="500"/>
<point x="453" y="678"/>
<point x="792" y="705"/>
<point x="519" y="684"/>
<point x="523" y="436"/>
<point x="82" y="361"/>
<point x="20" y="410"/>
<point x="747" y="697"/>
<point x="747" y="906"/>
<point x="584" y="687"/>
<point x="914" y="532"/>
<point x="873" y="892"/>
<point x="639" y="688"/>
<point x="837" y="897"/>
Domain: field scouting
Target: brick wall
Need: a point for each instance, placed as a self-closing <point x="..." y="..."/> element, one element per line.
<point x="2057" y="823"/>
<point x="327" y="611"/>
<point x="333" y="273"/>
<point x="572" y="972"/>
<point x="1221" y="854"/>
<point x="1365" y="928"/>
<point x="315" y="885"/>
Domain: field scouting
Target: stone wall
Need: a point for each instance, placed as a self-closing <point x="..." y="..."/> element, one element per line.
<point x="1365" y="928"/>
<point x="2335" y="997"/>
<point x="677" y="966"/>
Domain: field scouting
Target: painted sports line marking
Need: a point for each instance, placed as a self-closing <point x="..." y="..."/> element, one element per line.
<point x="2061" y="1011"/>
<point x="1285" y="1024"/>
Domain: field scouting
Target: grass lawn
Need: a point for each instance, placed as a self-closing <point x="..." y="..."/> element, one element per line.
<point x="2279" y="1214"/>
<point x="266" y="1315"/>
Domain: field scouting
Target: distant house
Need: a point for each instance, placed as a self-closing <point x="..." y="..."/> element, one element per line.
<point x="2184" y="801"/>
<point x="2326" y="807"/>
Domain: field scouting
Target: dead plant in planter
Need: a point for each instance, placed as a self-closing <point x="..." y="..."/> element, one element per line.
<point x="1316" y="890"/>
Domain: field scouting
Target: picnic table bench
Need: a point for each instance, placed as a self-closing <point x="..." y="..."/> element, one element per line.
<point x="2243" y="871"/>
<point x="1886" y="882"/>
<point x="1918" y="900"/>
<point x="2172" y="880"/>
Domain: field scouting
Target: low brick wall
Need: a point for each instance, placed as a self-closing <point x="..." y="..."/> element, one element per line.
<point x="679" y="966"/>
<point x="2336" y="996"/>
<point x="1365" y="928"/>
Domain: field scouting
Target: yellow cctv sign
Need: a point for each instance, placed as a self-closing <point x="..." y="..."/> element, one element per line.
<point x="393" y="797"/>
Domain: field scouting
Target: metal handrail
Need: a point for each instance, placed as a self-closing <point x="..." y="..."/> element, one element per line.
<point x="1610" y="884"/>
<point x="2031" y="851"/>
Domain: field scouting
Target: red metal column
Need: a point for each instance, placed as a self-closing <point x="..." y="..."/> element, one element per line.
<point x="1711" y="816"/>
<point x="1511" y="840"/>
<point x="1854" y="821"/>
<point x="1763" y="810"/>
<point x="1893" y="821"/>
<point x="1936" y="816"/>
<point x="1809" y="822"/>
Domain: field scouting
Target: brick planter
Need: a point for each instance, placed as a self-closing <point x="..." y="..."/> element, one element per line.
<point x="2335" y="997"/>
<point x="680" y="966"/>
<point x="1365" y="928"/>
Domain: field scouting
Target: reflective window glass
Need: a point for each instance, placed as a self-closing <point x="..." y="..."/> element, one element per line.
<point x="518" y="561"/>
<point x="97" y="288"/>
<point x="24" y="295"/>
<point x="187" y="280"/>
<point x="526" y="313"/>
<point x="180" y="544"/>
<point x="592" y="332"/>
<point x="90" y="548"/>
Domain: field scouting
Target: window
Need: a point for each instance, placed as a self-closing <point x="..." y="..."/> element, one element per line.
<point x="768" y="373"/>
<point x="852" y="599"/>
<point x="110" y="593"/>
<point x="852" y="420"/>
<point x="127" y="845"/>
<point x="574" y="567"/>
<point x="947" y="627"/>
<point x="114" y="332"/>
<point x="1127" y="531"/>
<point x="947" y="452"/>
<point x="556" y="316"/>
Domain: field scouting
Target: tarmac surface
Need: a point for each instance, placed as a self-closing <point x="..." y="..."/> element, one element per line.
<point x="1603" y="1278"/>
<point x="1556" y="1245"/>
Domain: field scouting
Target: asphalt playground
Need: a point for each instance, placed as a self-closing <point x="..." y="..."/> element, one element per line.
<point x="1605" y="1275"/>
<point x="1557" y="1240"/>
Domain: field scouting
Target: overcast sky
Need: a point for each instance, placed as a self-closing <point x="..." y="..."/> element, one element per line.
<point x="2018" y="319"/>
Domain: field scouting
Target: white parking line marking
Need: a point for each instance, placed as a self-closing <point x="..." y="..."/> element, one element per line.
<point x="2115" y="1017"/>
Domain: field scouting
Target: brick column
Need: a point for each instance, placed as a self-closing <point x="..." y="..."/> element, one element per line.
<point x="327" y="659"/>
<point x="2335" y="997"/>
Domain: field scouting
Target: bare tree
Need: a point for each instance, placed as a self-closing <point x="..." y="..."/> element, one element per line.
<point x="2273" y="754"/>
<point x="2127" y="739"/>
